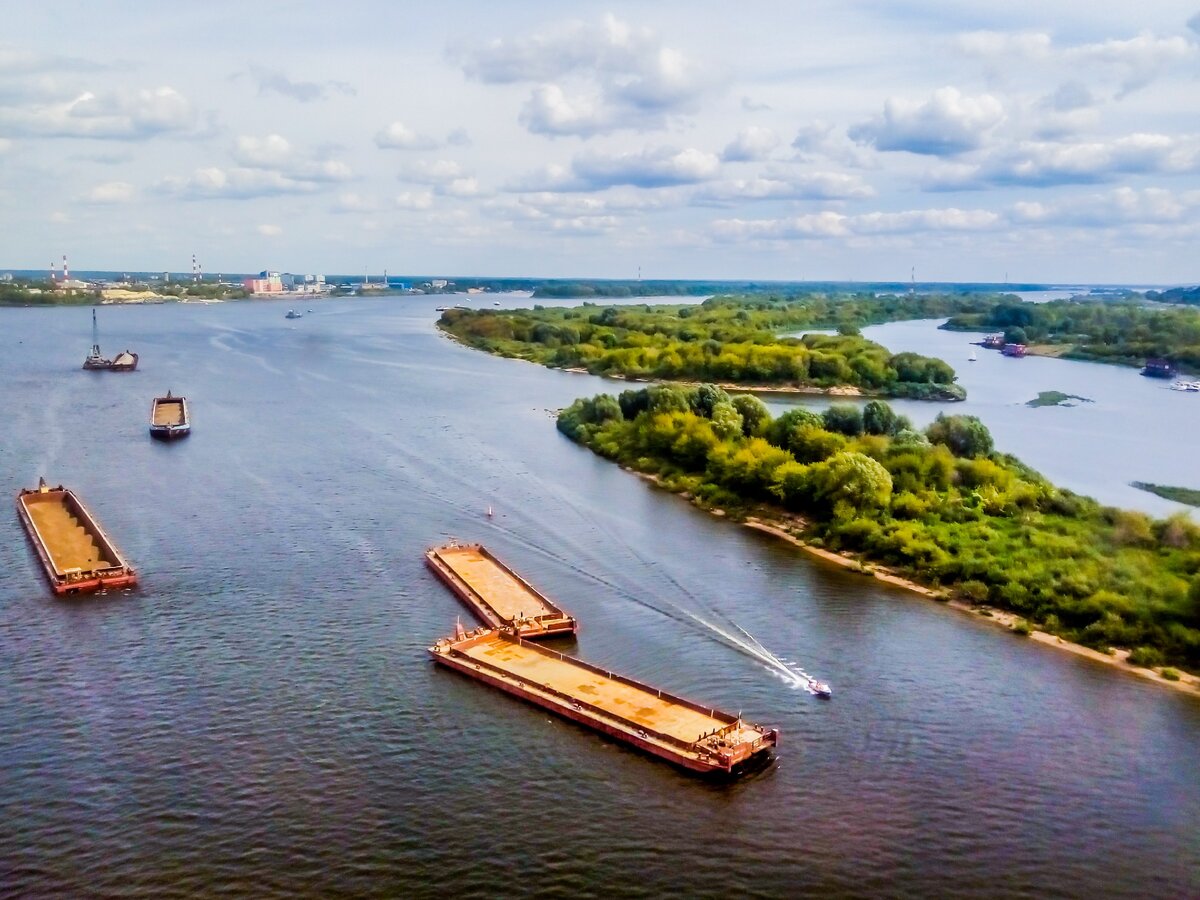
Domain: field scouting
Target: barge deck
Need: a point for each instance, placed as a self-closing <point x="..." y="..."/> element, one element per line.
<point x="497" y="594"/>
<point x="687" y="734"/>
<point x="75" y="553"/>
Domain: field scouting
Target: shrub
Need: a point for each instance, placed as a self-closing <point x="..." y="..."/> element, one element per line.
<point x="1022" y="627"/>
<point x="973" y="591"/>
<point x="1149" y="657"/>
<point x="1170" y="674"/>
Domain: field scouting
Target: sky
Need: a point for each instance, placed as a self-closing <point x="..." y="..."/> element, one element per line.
<point x="1051" y="142"/>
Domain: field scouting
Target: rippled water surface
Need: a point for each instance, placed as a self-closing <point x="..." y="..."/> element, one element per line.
<point x="260" y="717"/>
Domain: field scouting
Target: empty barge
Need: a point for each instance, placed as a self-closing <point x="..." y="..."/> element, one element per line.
<point x="497" y="594"/>
<point x="684" y="733"/>
<point x="169" y="418"/>
<point x="74" y="550"/>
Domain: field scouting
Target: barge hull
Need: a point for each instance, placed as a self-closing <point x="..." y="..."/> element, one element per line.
<point x="75" y="553"/>
<point x="496" y="594"/>
<point x="726" y="746"/>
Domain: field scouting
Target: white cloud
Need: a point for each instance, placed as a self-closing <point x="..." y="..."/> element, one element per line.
<point x="1050" y="164"/>
<point x="629" y="78"/>
<point x="829" y="224"/>
<point x="460" y="187"/>
<point x="398" y="136"/>
<point x="117" y="115"/>
<point x="658" y="167"/>
<point x="270" y="152"/>
<point x="438" y="171"/>
<point x="787" y="186"/>
<point x="549" y="111"/>
<point x="111" y="192"/>
<point x="947" y="124"/>
<point x="752" y="143"/>
<point x="414" y="200"/>
<point x="269" y="230"/>
<point x="213" y="183"/>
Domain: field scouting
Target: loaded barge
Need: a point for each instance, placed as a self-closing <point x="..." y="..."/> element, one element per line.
<point x="74" y="550"/>
<point x="684" y="733"/>
<point x="169" y="418"/>
<point x="497" y="594"/>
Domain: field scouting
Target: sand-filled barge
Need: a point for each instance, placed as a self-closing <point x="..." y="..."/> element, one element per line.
<point x="695" y="737"/>
<point x="169" y="418"/>
<point x="75" y="553"/>
<point x="497" y="594"/>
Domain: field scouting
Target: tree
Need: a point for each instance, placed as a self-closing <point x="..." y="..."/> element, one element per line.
<point x="850" y="478"/>
<point x="879" y="418"/>
<point x="634" y="402"/>
<point x="964" y="435"/>
<point x="843" y="418"/>
<point x="705" y="397"/>
<point x="1015" y="334"/>
<point x="726" y="420"/>
<point x="778" y="432"/>
<point x="754" y="413"/>
<point x="663" y="398"/>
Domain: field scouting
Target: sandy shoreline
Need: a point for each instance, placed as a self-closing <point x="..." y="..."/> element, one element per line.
<point x="1187" y="683"/>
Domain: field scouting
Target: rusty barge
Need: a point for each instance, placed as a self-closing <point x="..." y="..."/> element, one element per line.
<point x="497" y="594"/>
<point x="75" y="553"/>
<point x="169" y="418"/>
<point x="687" y="734"/>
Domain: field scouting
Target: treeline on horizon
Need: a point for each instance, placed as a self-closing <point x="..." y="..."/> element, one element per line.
<point x="941" y="506"/>
<point x="1115" y="332"/>
<point x="739" y="340"/>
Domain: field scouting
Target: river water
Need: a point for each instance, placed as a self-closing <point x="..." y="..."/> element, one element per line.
<point x="260" y="718"/>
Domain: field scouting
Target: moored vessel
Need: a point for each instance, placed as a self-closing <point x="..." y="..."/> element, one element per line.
<point x="497" y="594"/>
<point x="125" y="361"/>
<point x="169" y="418"/>
<point x="1157" y="367"/>
<point x="76" y="555"/>
<point x="687" y="734"/>
<point x="1017" y="351"/>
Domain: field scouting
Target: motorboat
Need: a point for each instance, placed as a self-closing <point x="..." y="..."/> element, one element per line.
<point x="820" y="688"/>
<point x="292" y="314"/>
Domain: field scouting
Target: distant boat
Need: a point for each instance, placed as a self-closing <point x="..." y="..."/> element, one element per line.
<point x="292" y="314"/>
<point x="972" y="357"/>
<point x="169" y="418"/>
<point x="1016" y="351"/>
<point x="1160" y="368"/>
<point x="123" y="362"/>
<point x="489" y="511"/>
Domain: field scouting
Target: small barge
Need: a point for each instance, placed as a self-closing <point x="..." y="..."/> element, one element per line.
<point x="125" y="361"/>
<point x="75" y="553"/>
<point x="1016" y="351"/>
<point x="497" y="594"/>
<point x="169" y="418"/>
<point x="687" y="734"/>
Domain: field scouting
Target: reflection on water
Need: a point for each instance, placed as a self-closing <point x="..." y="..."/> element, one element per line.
<point x="260" y="717"/>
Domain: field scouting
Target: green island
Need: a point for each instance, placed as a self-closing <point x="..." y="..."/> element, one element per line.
<point x="1056" y="398"/>
<point x="1190" y="496"/>
<point x="1113" y="332"/>
<point x="743" y="340"/>
<point x="941" y="508"/>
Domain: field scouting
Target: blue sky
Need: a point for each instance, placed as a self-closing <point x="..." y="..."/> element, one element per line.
<point x="1053" y="142"/>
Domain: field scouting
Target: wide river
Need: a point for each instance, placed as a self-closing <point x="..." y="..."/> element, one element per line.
<point x="260" y="717"/>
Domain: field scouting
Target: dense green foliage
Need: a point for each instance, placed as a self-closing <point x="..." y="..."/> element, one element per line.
<point x="942" y="506"/>
<point x="1190" y="496"/>
<point x="1190" y="296"/>
<point x="740" y="340"/>
<point x="1126" y="333"/>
